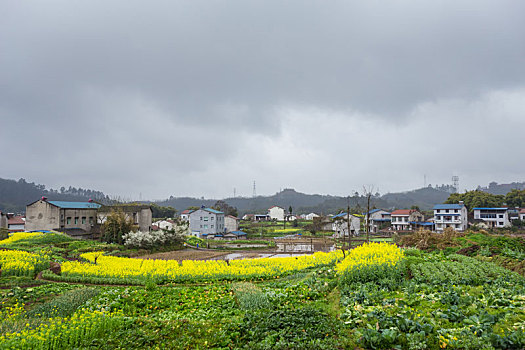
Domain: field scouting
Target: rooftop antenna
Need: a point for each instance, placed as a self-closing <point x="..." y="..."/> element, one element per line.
<point x="254" y="191"/>
<point x="455" y="183"/>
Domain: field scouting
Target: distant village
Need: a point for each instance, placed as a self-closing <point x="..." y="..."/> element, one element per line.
<point x="84" y="219"/>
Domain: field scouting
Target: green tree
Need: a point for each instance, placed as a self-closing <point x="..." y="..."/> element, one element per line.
<point x="515" y="198"/>
<point x="117" y="224"/>
<point x="474" y="199"/>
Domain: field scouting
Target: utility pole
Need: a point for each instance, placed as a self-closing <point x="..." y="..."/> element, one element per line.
<point x="348" y="225"/>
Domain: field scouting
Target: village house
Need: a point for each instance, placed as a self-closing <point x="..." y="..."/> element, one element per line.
<point x="206" y="221"/>
<point x="140" y="214"/>
<point x="164" y="224"/>
<point x="16" y="223"/>
<point x="185" y="215"/>
<point x="276" y="213"/>
<point x="340" y="224"/>
<point x="492" y="217"/>
<point x="231" y="223"/>
<point x="227" y="236"/>
<point x="61" y="215"/>
<point x="522" y="214"/>
<point x="311" y="216"/>
<point x="405" y="219"/>
<point x="450" y="215"/>
<point x="379" y="220"/>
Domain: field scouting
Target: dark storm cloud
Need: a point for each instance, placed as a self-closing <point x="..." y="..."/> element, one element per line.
<point x="133" y="97"/>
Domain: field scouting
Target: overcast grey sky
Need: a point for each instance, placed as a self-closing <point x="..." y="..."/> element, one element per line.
<point x="198" y="97"/>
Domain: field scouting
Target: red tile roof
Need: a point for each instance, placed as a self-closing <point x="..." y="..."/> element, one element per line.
<point x="522" y="211"/>
<point x="233" y="217"/>
<point x="16" y="220"/>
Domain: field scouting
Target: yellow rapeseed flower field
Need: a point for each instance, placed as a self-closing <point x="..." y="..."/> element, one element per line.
<point x="20" y="263"/>
<point x="16" y="236"/>
<point x="371" y="254"/>
<point x="115" y="267"/>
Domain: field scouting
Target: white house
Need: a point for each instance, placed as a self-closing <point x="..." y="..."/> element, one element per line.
<point x="231" y="223"/>
<point x="405" y="219"/>
<point x="340" y="224"/>
<point x="522" y="214"/>
<point x="493" y="217"/>
<point x="379" y="219"/>
<point x="185" y="215"/>
<point x="165" y="224"/>
<point x="276" y="213"/>
<point x="450" y="215"/>
<point x="206" y="221"/>
<point x="311" y="216"/>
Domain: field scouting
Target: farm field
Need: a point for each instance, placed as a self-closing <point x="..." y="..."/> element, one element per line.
<point x="455" y="292"/>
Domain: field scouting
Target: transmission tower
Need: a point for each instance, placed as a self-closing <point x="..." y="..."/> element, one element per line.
<point x="455" y="183"/>
<point x="254" y="191"/>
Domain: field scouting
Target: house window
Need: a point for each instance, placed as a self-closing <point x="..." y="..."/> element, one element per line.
<point x="62" y="217"/>
<point x="211" y="218"/>
<point x="201" y="218"/>
<point x="76" y="220"/>
<point x="201" y="226"/>
<point x="206" y="219"/>
<point x="205" y="226"/>
<point x="83" y="220"/>
<point x="501" y="216"/>
<point x="91" y="220"/>
<point x="211" y="226"/>
<point x="68" y="221"/>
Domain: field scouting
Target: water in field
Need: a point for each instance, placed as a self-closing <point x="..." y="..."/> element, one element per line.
<point x="304" y="247"/>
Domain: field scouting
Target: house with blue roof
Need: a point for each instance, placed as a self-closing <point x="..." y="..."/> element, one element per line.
<point x="493" y="217"/>
<point x="341" y="223"/>
<point x="206" y="221"/>
<point x="450" y="215"/>
<point x="379" y="219"/>
<point x="61" y="216"/>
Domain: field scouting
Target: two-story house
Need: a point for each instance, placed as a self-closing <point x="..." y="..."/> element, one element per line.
<point x="341" y="222"/>
<point x="276" y="213"/>
<point x="405" y="219"/>
<point x="231" y="223"/>
<point x="450" y="215"/>
<point x="379" y="219"/>
<point x="61" y="215"/>
<point x="206" y="221"/>
<point x="493" y="217"/>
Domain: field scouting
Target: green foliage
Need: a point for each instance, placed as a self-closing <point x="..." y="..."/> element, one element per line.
<point x="301" y="328"/>
<point x="116" y="225"/>
<point x="158" y="211"/>
<point x="250" y="297"/>
<point x="64" y="305"/>
<point x="473" y="199"/>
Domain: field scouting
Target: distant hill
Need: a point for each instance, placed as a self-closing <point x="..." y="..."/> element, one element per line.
<point x="15" y="195"/>
<point x="495" y="188"/>
<point x="425" y="198"/>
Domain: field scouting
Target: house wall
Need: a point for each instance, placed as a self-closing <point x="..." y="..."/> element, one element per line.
<point x="231" y="224"/>
<point x="340" y="227"/>
<point x="276" y="213"/>
<point x="83" y="219"/>
<point x="500" y="218"/>
<point x="41" y="215"/>
<point x="455" y="218"/>
<point x="3" y="220"/>
<point x="205" y="222"/>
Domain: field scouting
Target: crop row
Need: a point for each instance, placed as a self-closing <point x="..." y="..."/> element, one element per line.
<point x="20" y="263"/>
<point x="109" y="269"/>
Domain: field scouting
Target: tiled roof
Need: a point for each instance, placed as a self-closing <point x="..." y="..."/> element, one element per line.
<point x="213" y="211"/>
<point x="16" y="220"/>
<point x="75" y="205"/>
